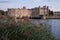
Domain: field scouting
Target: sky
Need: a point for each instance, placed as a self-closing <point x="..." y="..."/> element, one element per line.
<point x="52" y="4"/>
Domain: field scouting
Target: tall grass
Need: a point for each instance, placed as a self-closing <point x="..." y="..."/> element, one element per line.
<point x="11" y="30"/>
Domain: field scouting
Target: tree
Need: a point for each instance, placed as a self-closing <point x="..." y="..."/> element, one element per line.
<point x="50" y="13"/>
<point x="2" y="12"/>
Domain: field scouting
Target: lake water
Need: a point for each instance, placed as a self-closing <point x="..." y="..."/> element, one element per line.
<point x="55" y="23"/>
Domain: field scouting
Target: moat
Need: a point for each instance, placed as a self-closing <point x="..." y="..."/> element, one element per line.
<point x="55" y="23"/>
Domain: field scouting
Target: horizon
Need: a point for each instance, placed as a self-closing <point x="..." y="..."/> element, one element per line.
<point x="52" y="4"/>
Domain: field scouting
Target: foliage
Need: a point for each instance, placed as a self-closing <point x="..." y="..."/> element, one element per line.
<point x="27" y="31"/>
<point x="2" y="12"/>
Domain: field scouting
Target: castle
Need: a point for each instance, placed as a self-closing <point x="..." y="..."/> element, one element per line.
<point x="24" y="12"/>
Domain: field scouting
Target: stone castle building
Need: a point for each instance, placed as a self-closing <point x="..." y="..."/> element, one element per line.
<point x="19" y="12"/>
<point x="24" y="12"/>
<point x="37" y="11"/>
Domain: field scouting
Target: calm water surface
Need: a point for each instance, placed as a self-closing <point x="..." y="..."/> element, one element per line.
<point x="55" y="23"/>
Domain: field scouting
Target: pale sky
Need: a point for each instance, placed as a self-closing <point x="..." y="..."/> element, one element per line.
<point x="53" y="4"/>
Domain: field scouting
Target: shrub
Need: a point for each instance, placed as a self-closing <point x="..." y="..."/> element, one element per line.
<point x="28" y="31"/>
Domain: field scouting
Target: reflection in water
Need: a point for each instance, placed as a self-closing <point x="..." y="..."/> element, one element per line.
<point x="55" y="23"/>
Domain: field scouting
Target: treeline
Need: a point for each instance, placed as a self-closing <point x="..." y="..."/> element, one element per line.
<point x="3" y="12"/>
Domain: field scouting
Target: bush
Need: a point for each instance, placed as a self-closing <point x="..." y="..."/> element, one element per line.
<point x="28" y="31"/>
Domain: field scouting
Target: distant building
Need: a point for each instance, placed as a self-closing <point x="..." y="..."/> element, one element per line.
<point x="44" y="10"/>
<point x="14" y="12"/>
<point x="34" y="12"/>
<point x="57" y="13"/>
<point x="19" y="12"/>
<point x="37" y="11"/>
<point x="24" y="12"/>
